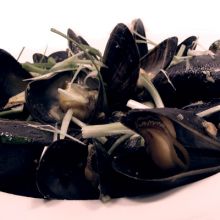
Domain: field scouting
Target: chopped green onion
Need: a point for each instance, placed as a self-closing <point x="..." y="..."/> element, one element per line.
<point x="82" y="124"/>
<point x="146" y="83"/>
<point x="137" y="105"/>
<point x="93" y="131"/>
<point x="12" y="111"/>
<point x="22" y="50"/>
<point x="209" y="111"/>
<point x="52" y="129"/>
<point x="65" y="123"/>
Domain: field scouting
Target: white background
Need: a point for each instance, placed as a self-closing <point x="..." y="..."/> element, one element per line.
<point x="28" y="23"/>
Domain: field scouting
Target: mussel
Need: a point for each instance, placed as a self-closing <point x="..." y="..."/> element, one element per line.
<point x="188" y="44"/>
<point x="179" y="131"/>
<point x="11" y="77"/>
<point x="177" y="148"/>
<point x="121" y="70"/>
<point x="200" y="72"/>
<point x="49" y="99"/>
<point x="160" y="56"/>
<point x="78" y="39"/>
<point x="62" y="172"/>
<point x="164" y="147"/>
<point x="57" y="56"/>
<point x="21" y="146"/>
<point x="215" y="47"/>
<point x="138" y="30"/>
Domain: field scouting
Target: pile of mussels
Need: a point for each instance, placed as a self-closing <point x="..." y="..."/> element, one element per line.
<point x="137" y="120"/>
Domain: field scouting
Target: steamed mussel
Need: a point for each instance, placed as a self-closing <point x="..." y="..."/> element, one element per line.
<point x="81" y="140"/>
<point x="200" y="72"/>
<point x="61" y="173"/>
<point x="49" y="99"/>
<point x="120" y="73"/>
<point x="12" y="77"/>
<point x="171" y="147"/>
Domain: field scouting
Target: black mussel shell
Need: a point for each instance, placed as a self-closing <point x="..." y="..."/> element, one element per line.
<point x="121" y="59"/>
<point x="83" y="41"/>
<point x="160" y="57"/>
<point x="57" y="56"/>
<point x="61" y="172"/>
<point x="189" y="43"/>
<point x="200" y="72"/>
<point x="129" y="171"/>
<point x="203" y="150"/>
<point x="190" y="129"/>
<point x="78" y="39"/>
<point x="215" y="47"/>
<point x="12" y="76"/>
<point x="139" y="34"/>
<point x="39" y="58"/>
<point x="20" y="149"/>
<point x="71" y="34"/>
<point x="16" y="131"/>
<point x="42" y="97"/>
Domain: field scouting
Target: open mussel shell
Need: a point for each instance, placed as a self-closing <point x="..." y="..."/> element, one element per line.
<point x="215" y="47"/>
<point x="189" y="43"/>
<point x="121" y="71"/>
<point x="200" y="71"/>
<point x="135" y="165"/>
<point x="57" y="56"/>
<point x="187" y="125"/>
<point x="39" y="58"/>
<point x="61" y="172"/>
<point x="138" y="30"/>
<point x="20" y="148"/>
<point x="160" y="56"/>
<point x="12" y="76"/>
<point x="128" y="171"/>
<point x="78" y="39"/>
<point x="42" y="97"/>
<point x="44" y="101"/>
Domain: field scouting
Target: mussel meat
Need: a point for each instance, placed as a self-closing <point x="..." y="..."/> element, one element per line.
<point x="49" y="99"/>
<point x="177" y="149"/>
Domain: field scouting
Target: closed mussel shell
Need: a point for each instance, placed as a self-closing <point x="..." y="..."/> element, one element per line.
<point x="137" y="27"/>
<point x="121" y="70"/>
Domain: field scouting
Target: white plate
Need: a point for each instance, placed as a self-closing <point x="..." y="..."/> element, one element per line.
<point x="196" y="201"/>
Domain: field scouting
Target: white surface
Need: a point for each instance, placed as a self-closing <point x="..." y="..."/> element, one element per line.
<point x="197" y="201"/>
<point x="27" y="23"/>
